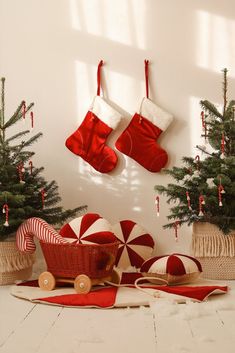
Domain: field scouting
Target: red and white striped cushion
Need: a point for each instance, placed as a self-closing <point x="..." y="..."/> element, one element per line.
<point x="39" y="228"/>
<point x="175" y="268"/>
<point x="136" y="244"/>
<point x="88" y="229"/>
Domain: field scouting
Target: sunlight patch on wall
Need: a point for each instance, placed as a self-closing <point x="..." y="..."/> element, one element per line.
<point x="74" y="14"/>
<point x="215" y="42"/>
<point x="121" y="21"/>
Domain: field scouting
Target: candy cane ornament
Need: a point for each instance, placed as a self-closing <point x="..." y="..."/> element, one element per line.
<point x="31" y="167"/>
<point x="188" y="201"/>
<point x="32" y="120"/>
<point x="24" y="111"/>
<point x="220" y="192"/>
<point x="222" y="146"/>
<point x="157" y="203"/>
<point x="43" y="194"/>
<point x="196" y="172"/>
<point x="5" y="209"/>
<point x="203" y="119"/>
<point x="204" y="124"/>
<point x="21" y="171"/>
<point x="201" y="203"/>
<point x="176" y="224"/>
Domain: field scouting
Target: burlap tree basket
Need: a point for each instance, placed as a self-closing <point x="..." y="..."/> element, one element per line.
<point x="14" y="265"/>
<point x="214" y="250"/>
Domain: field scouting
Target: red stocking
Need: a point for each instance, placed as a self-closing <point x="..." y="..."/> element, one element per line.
<point x="139" y="139"/>
<point x="89" y="140"/>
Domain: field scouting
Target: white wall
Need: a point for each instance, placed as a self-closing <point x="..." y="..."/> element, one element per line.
<point x="49" y="53"/>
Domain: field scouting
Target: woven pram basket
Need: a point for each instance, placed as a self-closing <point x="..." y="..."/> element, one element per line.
<point x="214" y="250"/>
<point x="71" y="260"/>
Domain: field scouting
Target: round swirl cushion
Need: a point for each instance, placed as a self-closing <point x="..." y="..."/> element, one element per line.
<point x="136" y="245"/>
<point x="174" y="268"/>
<point x="89" y="229"/>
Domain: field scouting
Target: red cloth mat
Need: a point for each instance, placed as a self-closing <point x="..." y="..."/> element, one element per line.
<point x="124" y="296"/>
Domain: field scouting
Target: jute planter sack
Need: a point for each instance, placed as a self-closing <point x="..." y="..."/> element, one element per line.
<point x="14" y="265"/>
<point x="214" y="250"/>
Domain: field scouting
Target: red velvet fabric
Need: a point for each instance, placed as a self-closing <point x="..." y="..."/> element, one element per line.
<point x="89" y="142"/>
<point x="138" y="141"/>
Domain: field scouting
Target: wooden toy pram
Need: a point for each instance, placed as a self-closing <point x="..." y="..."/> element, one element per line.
<point x="84" y="265"/>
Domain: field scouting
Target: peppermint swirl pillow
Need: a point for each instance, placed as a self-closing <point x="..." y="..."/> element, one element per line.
<point x="174" y="268"/>
<point x="89" y="229"/>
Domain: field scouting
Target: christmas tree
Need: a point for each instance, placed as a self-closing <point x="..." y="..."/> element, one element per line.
<point x="24" y="193"/>
<point x="205" y="187"/>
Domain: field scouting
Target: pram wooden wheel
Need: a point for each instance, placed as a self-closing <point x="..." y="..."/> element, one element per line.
<point x="115" y="277"/>
<point x="46" y="281"/>
<point x="82" y="284"/>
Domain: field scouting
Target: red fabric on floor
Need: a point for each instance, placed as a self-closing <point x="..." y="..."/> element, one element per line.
<point x="200" y="293"/>
<point x="103" y="298"/>
<point x="106" y="297"/>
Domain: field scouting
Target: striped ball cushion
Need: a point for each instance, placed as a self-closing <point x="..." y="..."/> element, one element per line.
<point x="174" y="269"/>
<point x="36" y="227"/>
<point x="136" y="244"/>
<point x="88" y="229"/>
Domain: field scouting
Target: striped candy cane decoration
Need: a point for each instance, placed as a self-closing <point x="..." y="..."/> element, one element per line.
<point x="222" y="146"/>
<point x="157" y="203"/>
<point x="188" y="201"/>
<point x="24" y="111"/>
<point x="5" y="209"/>
<point x="43" y="194"/>
<point x="31" y="167"/>
<point x="176" y="225"/>
<point x="204" y="124"/>
<point x="201" y="203"/>
<point x="220" y="192"/>
<point x="32" y="120"/>
<point x="21" y="171"/>
<point x="196" y="172"/>
<point x="39" y="228"/>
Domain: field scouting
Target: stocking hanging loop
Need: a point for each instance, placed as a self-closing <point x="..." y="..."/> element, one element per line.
<point x="99" y="77"/>
<point x="146" y="62"/>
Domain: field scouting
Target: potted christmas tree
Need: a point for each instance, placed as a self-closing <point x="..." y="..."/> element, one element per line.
<point x="24" y="193"/>
<point x="204" y="192"/>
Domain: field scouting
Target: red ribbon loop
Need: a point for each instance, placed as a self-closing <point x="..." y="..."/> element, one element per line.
<point x="146" y="62"/>
<point x="99" y="77"/>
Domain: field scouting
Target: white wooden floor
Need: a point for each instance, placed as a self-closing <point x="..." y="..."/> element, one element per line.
<point x="163" y="328"/>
